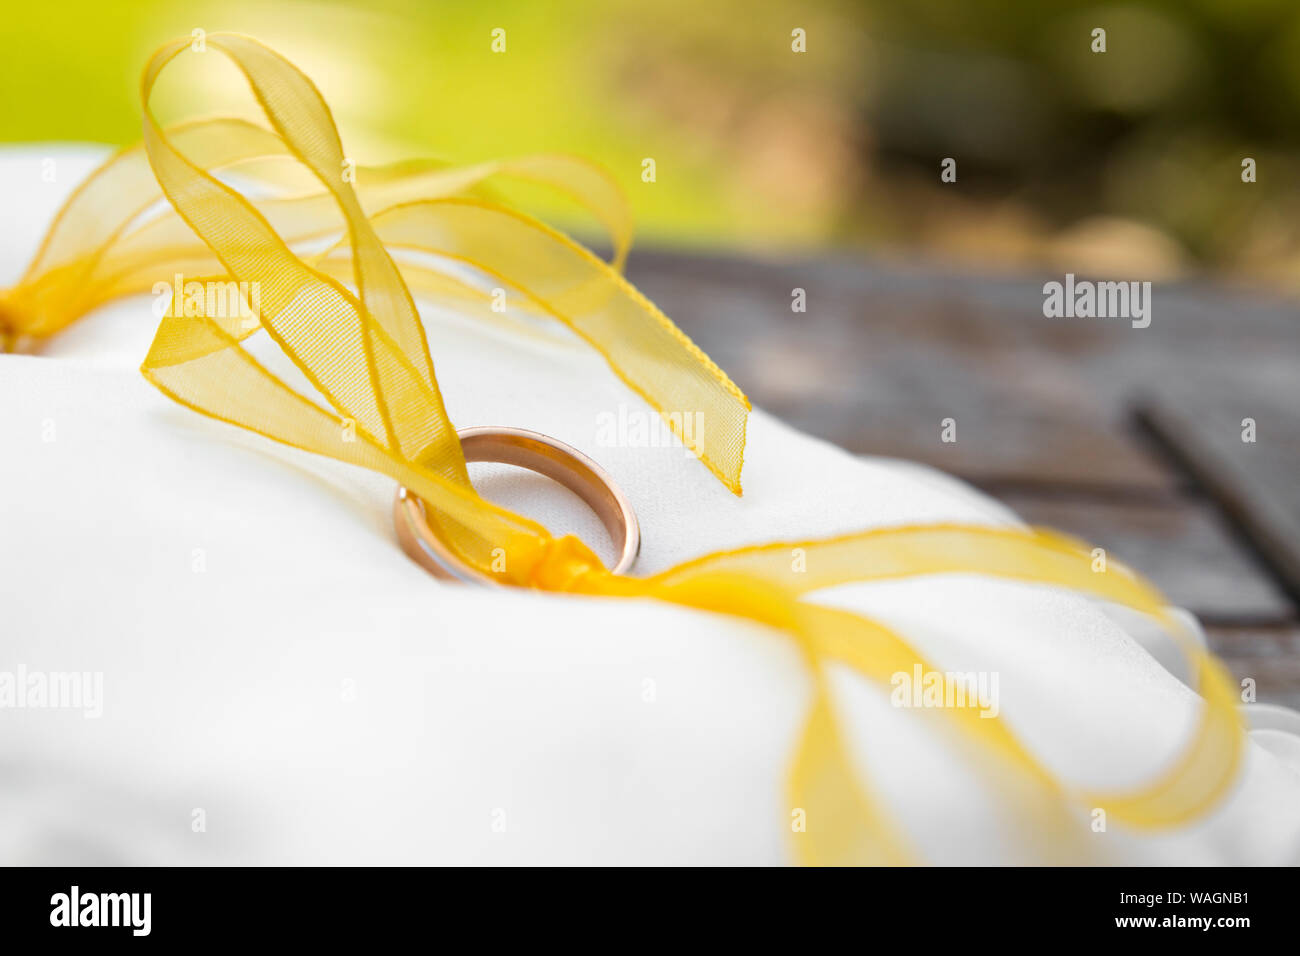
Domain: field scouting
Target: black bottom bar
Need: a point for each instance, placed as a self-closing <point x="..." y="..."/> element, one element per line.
<point x="338" y="905"/>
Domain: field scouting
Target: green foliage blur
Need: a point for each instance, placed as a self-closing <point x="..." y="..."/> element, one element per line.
<point x="1127" y="161"/>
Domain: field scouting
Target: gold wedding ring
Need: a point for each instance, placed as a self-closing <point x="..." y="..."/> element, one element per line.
<point x="536" y="452"/>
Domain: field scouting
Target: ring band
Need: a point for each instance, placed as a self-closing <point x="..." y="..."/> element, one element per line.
<point x="536" y="452"/>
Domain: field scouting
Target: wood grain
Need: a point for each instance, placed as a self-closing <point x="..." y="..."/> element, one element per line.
<point x="1183" y="546"/>
<point x="1255" y="482"/>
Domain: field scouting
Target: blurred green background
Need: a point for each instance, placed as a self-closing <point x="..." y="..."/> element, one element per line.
<point x="1127" y="161"/>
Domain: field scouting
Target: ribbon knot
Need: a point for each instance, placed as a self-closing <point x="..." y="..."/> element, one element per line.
<point x="563" y="564"/>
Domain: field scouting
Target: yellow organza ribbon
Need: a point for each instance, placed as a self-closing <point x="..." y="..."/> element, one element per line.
<point x="335" y="262"/>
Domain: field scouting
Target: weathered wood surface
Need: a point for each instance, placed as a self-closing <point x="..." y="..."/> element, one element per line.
<point x="1216" y="436"/>
<point x="1184" y="546"/>
<point x="1045" y="412"/>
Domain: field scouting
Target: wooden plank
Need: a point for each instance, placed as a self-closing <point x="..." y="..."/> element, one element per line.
<point x="1265" y="643"/>
<point x="994" y="449"/>
<point x="1255" y="483"/>
<point x="1189" y="314"/>
<point x="878" y="331"/>
<point x="886" y="350"/>
<point x="1268" y="656"/>
<point x="1182" y="546"/>
<point x="883" y="383"/>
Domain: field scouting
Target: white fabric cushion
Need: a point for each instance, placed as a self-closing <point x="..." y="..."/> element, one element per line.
<point x="271" y="657"/>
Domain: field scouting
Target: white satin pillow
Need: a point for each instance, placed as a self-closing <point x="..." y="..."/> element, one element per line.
<point x="275" y="667"/>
